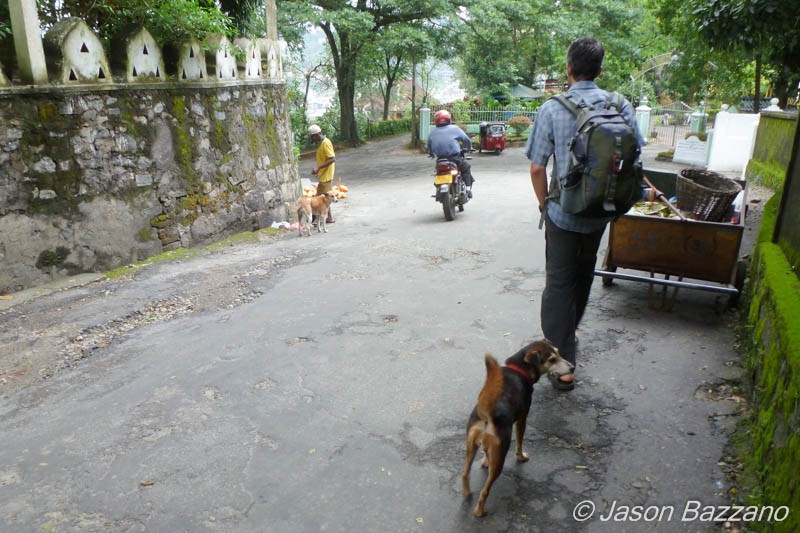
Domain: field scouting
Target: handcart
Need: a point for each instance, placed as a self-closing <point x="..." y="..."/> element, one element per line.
<point x="685" y="253"/>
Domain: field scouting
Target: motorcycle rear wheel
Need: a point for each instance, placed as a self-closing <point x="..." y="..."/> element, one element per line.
<point x="449" y="206"/>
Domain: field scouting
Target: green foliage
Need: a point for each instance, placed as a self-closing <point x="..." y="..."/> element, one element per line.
<point x="765" y="28"/>
<point x="387" y="128"/>
<point x="169" y="21"/>
<point x="521" y="41"/>
<point x="247" y="16"/>
<point x="349" y="27"/>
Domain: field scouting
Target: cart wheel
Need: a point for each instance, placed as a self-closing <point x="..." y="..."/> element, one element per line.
<point x="738" y="282"/>
<point x="741" y="274"/>
<point x="608" y="280"/>
<point x="497" y="151"/>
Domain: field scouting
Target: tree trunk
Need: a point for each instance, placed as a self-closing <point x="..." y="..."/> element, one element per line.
<point x="305" y="96"/>
<point x="345" y="57"/>
<point x="782" y="88"/>
<point x="386" y="98"/>
<point x="757" y="99"/>
<point x="349" y="127"/>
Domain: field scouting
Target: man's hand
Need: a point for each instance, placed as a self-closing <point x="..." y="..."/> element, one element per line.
<point x="315" y="171"/>
<point x="539" y="182"/>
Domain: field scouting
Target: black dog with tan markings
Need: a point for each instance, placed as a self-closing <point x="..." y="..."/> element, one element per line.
<point x="504" y="401"/>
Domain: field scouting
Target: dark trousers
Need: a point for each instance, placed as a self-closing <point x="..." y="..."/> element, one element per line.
<point x="569" y="269"/>
<point x="464" y="168"/>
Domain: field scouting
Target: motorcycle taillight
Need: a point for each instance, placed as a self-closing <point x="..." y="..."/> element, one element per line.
<point x="443" y="168"/>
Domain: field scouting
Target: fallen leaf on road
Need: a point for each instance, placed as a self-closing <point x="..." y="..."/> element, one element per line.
<point x="6" y="297"/>
<point x="147" y="483"/>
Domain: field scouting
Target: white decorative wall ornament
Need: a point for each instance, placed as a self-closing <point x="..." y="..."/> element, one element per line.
<point x="144" y="61"/>
<point x="220" y="57"/>
<point x="75" y="54"/>
<point x="251" y="65"/>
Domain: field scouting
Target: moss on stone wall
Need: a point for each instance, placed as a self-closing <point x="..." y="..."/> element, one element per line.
<point x="185" y="164"/>
<point x="773" y="149"/>
<point x="183" y="148"/>
<point x="774" y="138"/>
<point x="771" y="449"/>
<point x="769" y="174"/>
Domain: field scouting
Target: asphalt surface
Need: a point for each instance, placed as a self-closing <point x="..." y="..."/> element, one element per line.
<point x="324" y="383"/>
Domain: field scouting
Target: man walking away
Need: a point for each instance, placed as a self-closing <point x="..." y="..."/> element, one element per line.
<point x="572" y="241"/>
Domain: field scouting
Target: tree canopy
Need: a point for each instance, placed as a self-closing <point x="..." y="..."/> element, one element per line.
<point x="768" y="29"/>
<point x="350" y="27"/>
<point x="719" y="49"/>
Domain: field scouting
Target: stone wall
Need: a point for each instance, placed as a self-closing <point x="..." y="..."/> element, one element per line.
<point x="770" y="446"/>
<point x="773" y="148"/>
<point x="92" y="178"/>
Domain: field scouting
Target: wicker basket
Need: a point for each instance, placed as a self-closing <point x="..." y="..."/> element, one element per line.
<point x="705" y="195"/>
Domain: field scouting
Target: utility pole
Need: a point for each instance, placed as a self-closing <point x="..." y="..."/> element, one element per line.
<point x="271" y="20"/>
<point x="414" y="128"/>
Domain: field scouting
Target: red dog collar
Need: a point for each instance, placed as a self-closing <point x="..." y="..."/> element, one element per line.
<point x="518" y="369"/>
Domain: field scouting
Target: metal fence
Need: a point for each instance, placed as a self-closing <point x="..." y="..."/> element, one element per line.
<point x="670" y="124"/>
<point x="473" y="114"/>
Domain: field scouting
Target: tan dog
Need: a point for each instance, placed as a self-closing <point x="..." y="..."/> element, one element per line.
<point x="505" y="400"/>
<point x="308" y="207"/>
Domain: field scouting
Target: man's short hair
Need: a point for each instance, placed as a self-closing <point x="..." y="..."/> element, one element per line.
<point x="585" y="55"/>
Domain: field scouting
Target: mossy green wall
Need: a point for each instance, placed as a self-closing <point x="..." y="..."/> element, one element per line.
<point x="773" y="149"/>
<point x="771" y="442"/>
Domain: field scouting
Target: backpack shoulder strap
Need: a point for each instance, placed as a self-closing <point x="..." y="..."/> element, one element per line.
<point x="568" y="101"/>
<point x="615" y="100"/>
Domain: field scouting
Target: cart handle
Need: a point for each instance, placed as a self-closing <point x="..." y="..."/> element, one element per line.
<point x="663" y="198"/>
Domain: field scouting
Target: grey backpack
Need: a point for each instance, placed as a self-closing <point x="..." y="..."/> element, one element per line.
<point x="604" y="175"/>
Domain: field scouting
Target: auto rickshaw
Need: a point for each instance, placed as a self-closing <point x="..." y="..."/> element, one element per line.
<point x="493" y="137"/>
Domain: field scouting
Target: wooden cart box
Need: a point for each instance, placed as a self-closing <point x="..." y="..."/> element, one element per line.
<point x="697" y="250"/>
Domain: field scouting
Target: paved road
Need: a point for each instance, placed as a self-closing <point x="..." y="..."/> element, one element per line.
<point x="323" y="383"/>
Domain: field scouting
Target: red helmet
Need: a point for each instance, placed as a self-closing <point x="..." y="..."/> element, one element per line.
<point x="442" y="118"/>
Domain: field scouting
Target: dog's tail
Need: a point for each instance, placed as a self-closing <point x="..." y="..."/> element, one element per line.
<point x="492" y="390"/>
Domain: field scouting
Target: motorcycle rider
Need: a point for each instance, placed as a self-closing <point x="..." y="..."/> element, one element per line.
<point x="447" y="141"/>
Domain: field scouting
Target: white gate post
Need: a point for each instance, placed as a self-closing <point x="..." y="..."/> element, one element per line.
<point x="424" y="123"/>
<point x="28" y="41"/>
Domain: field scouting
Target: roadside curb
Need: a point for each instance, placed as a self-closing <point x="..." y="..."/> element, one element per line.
<point x="61" y="284"/>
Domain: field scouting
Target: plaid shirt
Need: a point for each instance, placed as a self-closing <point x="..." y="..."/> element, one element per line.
<point x="552" y="130"/>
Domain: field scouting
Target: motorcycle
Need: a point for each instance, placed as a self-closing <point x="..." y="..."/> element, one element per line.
<point x="451" y="190"/>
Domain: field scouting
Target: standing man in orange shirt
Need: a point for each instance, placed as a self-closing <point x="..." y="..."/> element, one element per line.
<point x="326" y="164"/>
